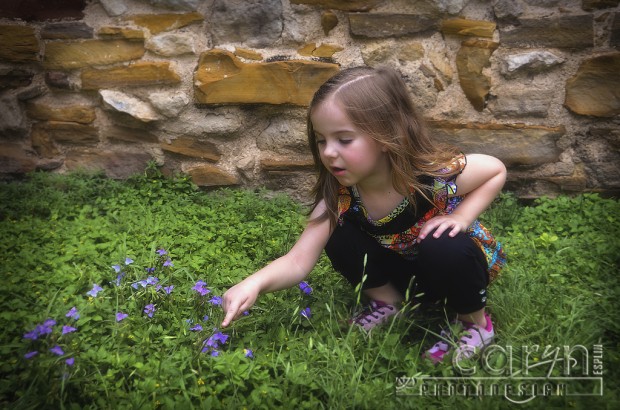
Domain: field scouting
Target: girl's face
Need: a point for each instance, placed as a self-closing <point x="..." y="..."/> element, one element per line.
<point x="353" y="157"/>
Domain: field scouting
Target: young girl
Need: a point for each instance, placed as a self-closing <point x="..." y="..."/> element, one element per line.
<point x="394" y="206"/>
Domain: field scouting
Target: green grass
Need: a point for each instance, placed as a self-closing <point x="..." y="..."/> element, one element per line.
<point x="62" y="234"/>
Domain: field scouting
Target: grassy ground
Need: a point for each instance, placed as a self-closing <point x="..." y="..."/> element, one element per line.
<point x="61" y="236"/>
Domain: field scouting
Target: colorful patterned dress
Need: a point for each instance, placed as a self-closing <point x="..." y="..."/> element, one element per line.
<point x="399" y="230"/>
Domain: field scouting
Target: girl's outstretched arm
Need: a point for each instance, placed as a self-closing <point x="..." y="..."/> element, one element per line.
<point x="481" y="181"/>
<point x="282" y="273"/>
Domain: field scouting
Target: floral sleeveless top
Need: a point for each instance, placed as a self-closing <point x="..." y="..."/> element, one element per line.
<point x="399" y="230"/>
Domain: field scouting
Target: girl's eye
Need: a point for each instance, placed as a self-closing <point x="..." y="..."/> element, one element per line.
<point x="346" y="141"/>
<point x="320" y="142"/>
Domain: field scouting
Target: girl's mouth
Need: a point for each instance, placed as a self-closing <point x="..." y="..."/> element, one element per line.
<point x="338" y="171"/>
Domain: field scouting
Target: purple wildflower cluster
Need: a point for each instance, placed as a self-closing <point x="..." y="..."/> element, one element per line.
<point x="305" y="288"/>
<point x="201" y="288"/>
<point x="45" y="331"/>
<point x="212" y="344"/>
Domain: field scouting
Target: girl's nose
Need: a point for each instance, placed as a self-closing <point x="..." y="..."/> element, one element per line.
<point x="329" y="150"/>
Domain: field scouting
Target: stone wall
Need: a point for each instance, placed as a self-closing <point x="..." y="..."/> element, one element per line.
<point x="218" y="88"/>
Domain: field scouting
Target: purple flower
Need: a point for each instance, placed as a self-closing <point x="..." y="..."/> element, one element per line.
<point x="95" y="290"/>
<point x="32" y="335"/>
<point x="306" y="313"/>
<point x="200" y="287"/>
<point x="305" y="288"/>
<point x="128" y="261"/>
<point x="168" y="263"/>
<point x="119" y="277"/>
<point x="121" y="316"/>
<point x="205" y="318"/>
<point x="117" y="268"/>
<point x="215" y="353"/>
<point x="248" y="353"/>
<point x="70" y="361"/>
<point x="49" y="323"/>
<point x="216" y="300"/>
<point x="152" y="280"/>
<point x="168" y="289"/>
<point x="30" y="355"/>
<point x="149" y="310"/>
<point x="196" y="328"/>
<point x="214" y="341"/>
<point x="73" y="313"/>
<point x="68" y="329"/>
<point x="57" y="350"/>
<point x="161" y="252"/>
<point x="246" y="312"/>
<point x="149" y="270"/>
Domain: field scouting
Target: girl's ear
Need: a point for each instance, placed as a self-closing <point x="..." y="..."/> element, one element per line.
<point x="384" y="148"/>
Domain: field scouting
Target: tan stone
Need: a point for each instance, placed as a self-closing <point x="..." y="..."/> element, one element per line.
<point x="471" y="58"/>
<point x="19" y="44"/>
<point x="142" y="73"/>
<point x="156" y="23"/>
<point x="66" y="55"/>
<point x="441" y="63"/>
<point x="14" y="159"/>
<point x="514" y="144"/>
<point x="410" y="51"/>
<point x="324" y="50"/>
<point x="46" y="109"/>
<point x="595" y="88"/>
<point x="221" y="78"/>
<point x="210" y="175"/>
<point x="329" y="20"/>
<point x="68" y="132"/>
<point x="466" y="27"/>
<point x="346" y="5"/>
<point x="194" y="148"/>
<point x="120" y="33"/>
<point x="118" y="164"/>
<point x="307" y="49"/>
<point x="285" y="164"/>
<point x="248" y="54"/>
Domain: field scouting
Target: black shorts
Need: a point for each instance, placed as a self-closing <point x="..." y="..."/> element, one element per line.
<point x="444" y="268"/>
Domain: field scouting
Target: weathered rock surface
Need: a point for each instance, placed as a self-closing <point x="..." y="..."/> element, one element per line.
<point x="346" y="5"/>
<point x="66" y="31"/>
<point x="530" y="62"/>
<point x="595" y="88"/>
<point x="71" y="133"/>
<point x="576" y="31"/>
<point x="156" y="23"/>
<point x="466" y="27"/>
<point x="142" y="73"/>
<point x="514" y="144"/>
<point x="171" y="44"/>
<point x="60" y="55"/>
<point x="19" y="44"/>
<point x="55" y="108"/>
<point x="117" y="164"/>
<point x="376" y="25"/>
<point x="193" y="148"/>
<point x="221" y="78"/>
<point x="124" y="103"/>
<point x="257" y="23"/>
<point x="471" y="59"/>
<point x="210" y="175"/>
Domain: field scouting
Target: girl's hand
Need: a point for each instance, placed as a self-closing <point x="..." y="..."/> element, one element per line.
<point x="454" y="223"/>
<point x="238" y="299"/>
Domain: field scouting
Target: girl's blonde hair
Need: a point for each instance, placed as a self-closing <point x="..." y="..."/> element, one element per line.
<point x="378" y="103"/>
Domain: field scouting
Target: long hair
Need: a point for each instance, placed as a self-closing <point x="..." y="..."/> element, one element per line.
<point x="378" y="104"/>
